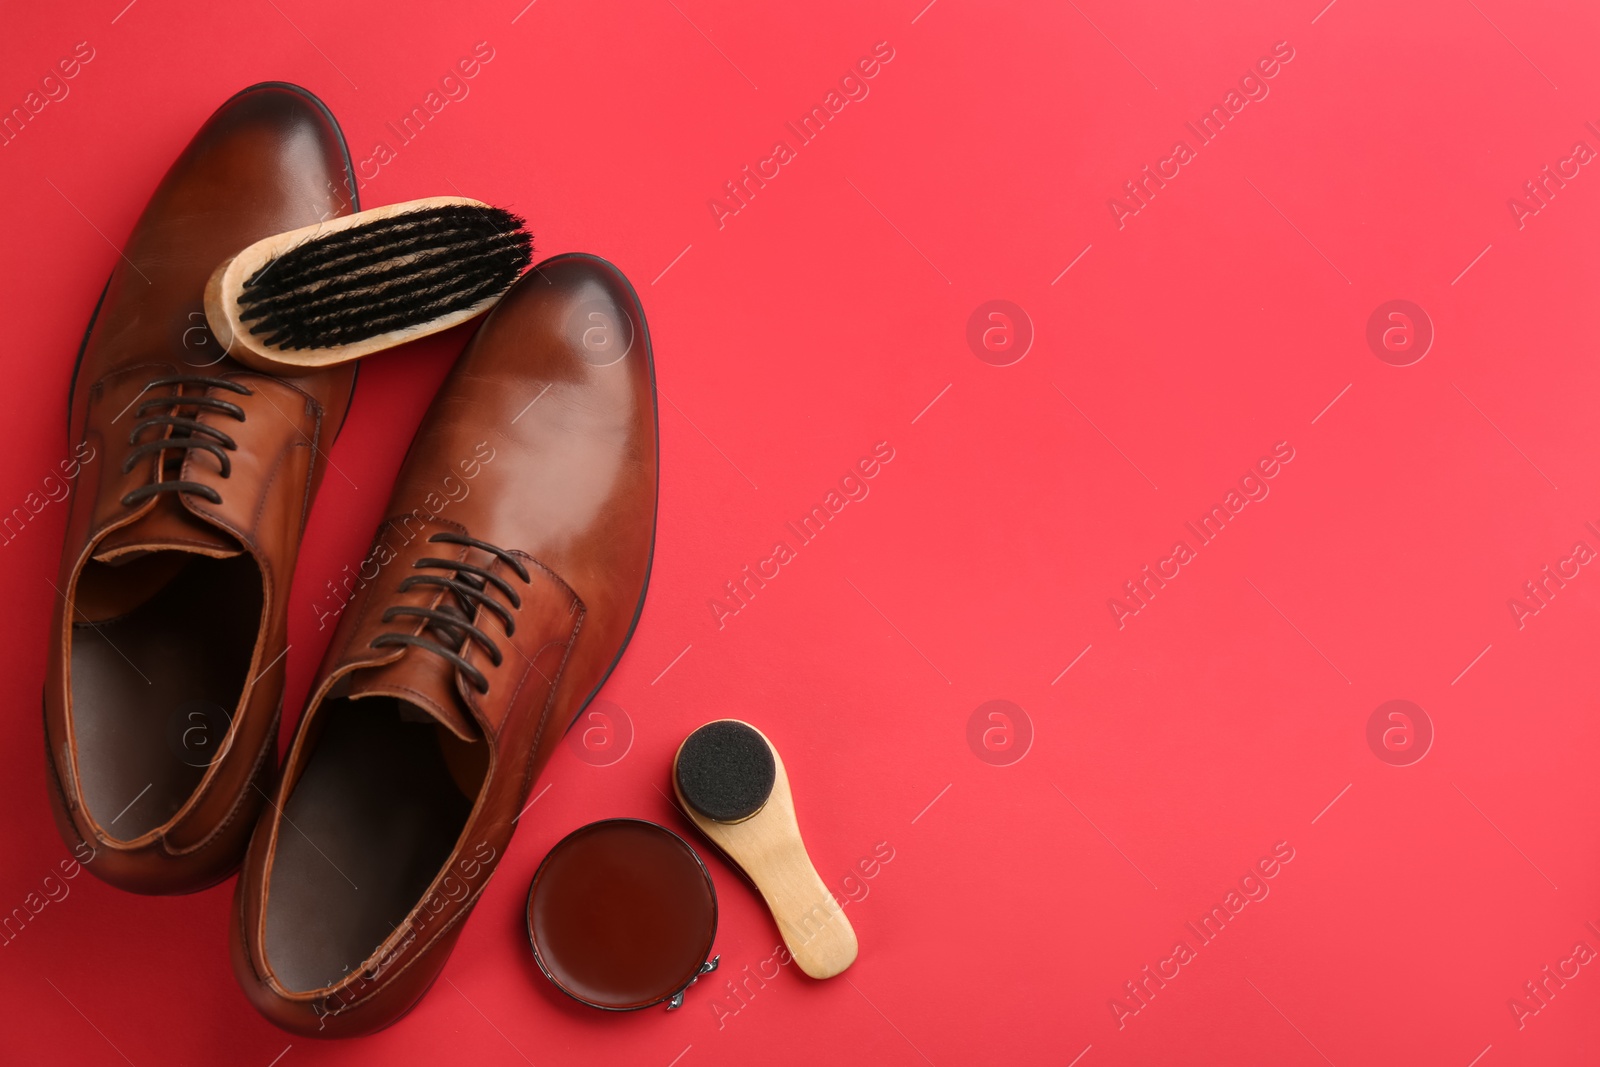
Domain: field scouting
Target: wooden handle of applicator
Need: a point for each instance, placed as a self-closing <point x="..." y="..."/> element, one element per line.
<point x="769" y="848"/>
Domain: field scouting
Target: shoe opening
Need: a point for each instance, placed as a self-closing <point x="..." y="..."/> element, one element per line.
<point x="376" y="814"/>
<point x="160" y="654"/>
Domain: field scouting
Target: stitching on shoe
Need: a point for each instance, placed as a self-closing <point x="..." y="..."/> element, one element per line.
<point x="315" y="409"/>
<point x="269" y="742"/>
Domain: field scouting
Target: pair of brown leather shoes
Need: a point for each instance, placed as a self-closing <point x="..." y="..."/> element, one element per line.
<point x="498" y="595"/>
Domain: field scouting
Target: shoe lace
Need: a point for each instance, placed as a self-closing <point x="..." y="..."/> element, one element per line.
<point x="450" y="623"/>
<point x="195" y="435"/>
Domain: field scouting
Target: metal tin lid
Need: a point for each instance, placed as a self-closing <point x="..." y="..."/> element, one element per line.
<point x="622" y="915"/>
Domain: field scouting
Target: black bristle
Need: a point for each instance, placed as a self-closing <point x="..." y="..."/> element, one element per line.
<point x="725" y="771"/>
<point x="402" y="271"/>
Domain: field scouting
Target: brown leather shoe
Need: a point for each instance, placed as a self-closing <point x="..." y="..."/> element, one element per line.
<point x="164" y="681"/>
<point x="504" y="587"/>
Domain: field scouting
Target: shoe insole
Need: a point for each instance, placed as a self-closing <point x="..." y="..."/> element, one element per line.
<point x="373" y="818"/>
<point x="154" y="690"/>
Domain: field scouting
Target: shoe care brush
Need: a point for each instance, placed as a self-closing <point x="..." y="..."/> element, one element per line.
<point x="733" y="787"/>
<point x="347" y="287"/>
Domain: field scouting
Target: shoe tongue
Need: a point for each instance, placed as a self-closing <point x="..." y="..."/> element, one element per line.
<point x="416" y="675"/>
<point x="423" y="681"/>
<point x="167" y="527"/>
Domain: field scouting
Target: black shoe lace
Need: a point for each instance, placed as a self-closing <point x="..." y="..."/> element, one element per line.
<point x="451" y="623"/>
<point x="197" y="435"/>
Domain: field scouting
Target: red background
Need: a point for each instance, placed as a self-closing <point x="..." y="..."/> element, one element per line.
<point x="824" y="317"/>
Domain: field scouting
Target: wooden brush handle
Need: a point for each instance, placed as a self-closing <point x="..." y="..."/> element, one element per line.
<point x="227" y="283"/>
<point x="769" y="849"/>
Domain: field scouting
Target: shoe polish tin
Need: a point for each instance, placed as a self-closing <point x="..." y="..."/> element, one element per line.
<point x="622" y="915"/>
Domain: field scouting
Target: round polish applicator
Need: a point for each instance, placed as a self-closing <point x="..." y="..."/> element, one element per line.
<point x="731" y="783"/>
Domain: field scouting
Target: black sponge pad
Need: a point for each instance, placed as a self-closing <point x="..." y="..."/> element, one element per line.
<point x="725" y="771"/>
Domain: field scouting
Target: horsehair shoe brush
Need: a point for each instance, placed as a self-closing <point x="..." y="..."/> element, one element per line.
<point x="347" y="287"/>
